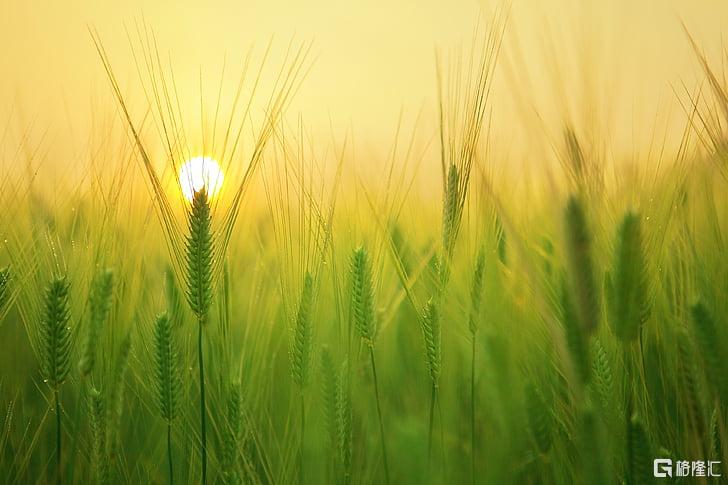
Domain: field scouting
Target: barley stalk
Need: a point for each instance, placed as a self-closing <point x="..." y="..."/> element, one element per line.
<point x="168" y="382"/>
<point x="199" y="292"/>
<point x="55" y="335"/>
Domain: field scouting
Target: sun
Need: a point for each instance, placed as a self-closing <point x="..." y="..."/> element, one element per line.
<point x="200" y="172"/>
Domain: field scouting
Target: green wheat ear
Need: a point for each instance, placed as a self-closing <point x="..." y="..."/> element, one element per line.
<point x="303" y="335"/>
<point x="362" y="295"/>
<point x="168" y="383"/>
<point x="430" y="323"/>
<point x="626" y="288"/>
<point x="99" y="303"/>
<point x="97" y="418"/>
<point x="476" y="292"/>
<point x="711" y="351"/>
<point x="55" y="334"/>
<point x="199" y="256"/>
<point x="580" y="264"/>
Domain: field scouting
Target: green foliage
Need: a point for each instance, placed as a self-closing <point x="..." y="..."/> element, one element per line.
<point x="99" y="304"/>
<point x="55" y="334"/>
<point x="539" y="418"/>
<point x="166" y="371"/>
<point x="199" y="256"/>
<point x="4" y="287"/>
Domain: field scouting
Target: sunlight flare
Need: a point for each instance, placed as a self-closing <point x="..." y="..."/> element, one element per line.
<point x="198" y="173"/>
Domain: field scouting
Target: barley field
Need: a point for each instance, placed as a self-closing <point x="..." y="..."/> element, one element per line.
<point x="212" y="291"/>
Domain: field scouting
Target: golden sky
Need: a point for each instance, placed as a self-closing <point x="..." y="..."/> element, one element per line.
<point x="610" y="63"/>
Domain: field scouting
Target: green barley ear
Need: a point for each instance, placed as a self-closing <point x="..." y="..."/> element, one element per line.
<point x="4" y="287"/>
<point x="577" y="342"/>
<point x="639" y="453"/>
<point x="709" y="348"/>
<point x="476" y="292"/>
<point x="97" y="417"/>
<point x="539" y="418"/>
<point x="168" y="383"/>
<point x="199" y="256"/>
<point x="55" y="334"/>
<point x="330" y="396"/>
<point x="362" y="295"/>
<point x="580" y="264"/>
<point x="627" y="288"/>
<point x="99" y="303"/>
<point x="450" y="209"/>
<point x="430" y="323"/>
<point x="303" y="335"/>
<point x="603" y="376"/>
<point x="116" y="396"/>
<point x="231" y="436"/>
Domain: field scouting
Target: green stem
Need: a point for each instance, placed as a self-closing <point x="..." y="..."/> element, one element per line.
<point x="202" y="403"/>
<point x="301" y="444"/>
<point x="57" y="400"/>
<point x="169" y="453"/>
<point x="379" y="413"/>
<point x="472" y="413"/>
<point x="433" y="396"/>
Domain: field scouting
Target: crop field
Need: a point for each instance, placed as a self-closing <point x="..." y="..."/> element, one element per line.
<point x="214" y="293"/>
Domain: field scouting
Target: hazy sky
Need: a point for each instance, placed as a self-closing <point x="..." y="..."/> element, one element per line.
<point x="372" y="59"/>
